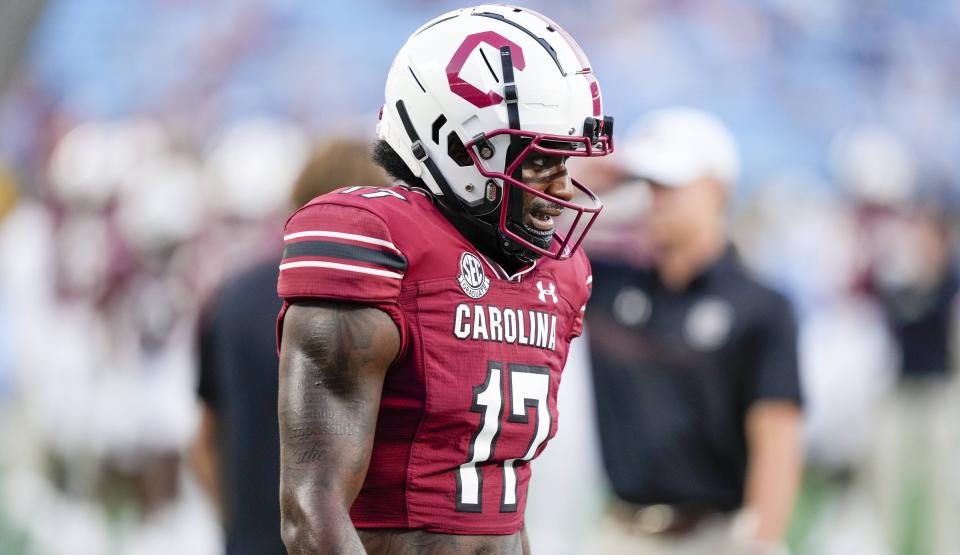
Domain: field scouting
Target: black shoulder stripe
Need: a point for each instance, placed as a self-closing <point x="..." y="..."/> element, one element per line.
<point x="332" y="249"/>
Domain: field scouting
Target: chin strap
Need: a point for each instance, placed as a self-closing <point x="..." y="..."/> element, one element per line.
<point x="484" y="236"/>
<point x="420" y="153"/>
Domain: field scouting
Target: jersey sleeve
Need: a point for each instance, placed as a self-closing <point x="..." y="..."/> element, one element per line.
<point x="776" y="373"/>
<point x="341" y="253"/>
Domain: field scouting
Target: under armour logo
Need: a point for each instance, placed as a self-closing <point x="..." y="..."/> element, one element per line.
<point x="552" y="292"/>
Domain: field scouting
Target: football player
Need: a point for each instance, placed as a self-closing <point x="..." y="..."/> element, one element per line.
<point x="425" y="326"/>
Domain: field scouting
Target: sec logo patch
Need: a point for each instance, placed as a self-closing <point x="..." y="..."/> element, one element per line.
<point x="472" y="279"/>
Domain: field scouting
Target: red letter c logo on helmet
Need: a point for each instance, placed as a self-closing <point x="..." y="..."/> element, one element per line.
<point x="465" y="90"/>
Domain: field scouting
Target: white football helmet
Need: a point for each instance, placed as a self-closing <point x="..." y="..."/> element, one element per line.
<point x="474" y="92"/>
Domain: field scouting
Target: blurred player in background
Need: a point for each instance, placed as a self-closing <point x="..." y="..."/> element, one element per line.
<point x="237" y="452"/>
<point x="909" y="269"/>
<point x="425" y="326"/>
<point x="914" y="472"/>
<point x="695" y="365"/>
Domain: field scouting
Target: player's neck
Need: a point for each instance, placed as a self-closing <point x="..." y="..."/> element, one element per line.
<point x="681" y="264"/>
<point x="480" y="236"/>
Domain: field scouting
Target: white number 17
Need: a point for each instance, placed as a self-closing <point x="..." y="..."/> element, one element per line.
<point x="529" y="386"/>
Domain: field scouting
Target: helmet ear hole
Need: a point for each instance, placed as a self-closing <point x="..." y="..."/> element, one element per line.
<point x="458" y="152"/>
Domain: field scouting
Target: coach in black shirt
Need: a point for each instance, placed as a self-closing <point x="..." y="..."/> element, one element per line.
<point x="695" y="365"/>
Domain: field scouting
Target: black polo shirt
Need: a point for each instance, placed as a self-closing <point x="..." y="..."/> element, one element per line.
<point x="676" y="372"/>
<point x="239" y="380"/>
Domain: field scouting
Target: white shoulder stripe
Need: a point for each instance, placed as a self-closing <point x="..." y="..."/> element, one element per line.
<point x="338" y="266"/>
<point x="589" y="279"/>
<point x="338" y="235"/>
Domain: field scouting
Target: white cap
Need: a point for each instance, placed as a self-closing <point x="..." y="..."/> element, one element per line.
<point x="677" y="146"/>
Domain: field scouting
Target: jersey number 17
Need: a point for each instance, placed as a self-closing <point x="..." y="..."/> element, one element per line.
<point x="529" y="386"/>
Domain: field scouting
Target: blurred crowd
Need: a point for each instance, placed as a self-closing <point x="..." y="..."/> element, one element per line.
<point x="148" y="150"/>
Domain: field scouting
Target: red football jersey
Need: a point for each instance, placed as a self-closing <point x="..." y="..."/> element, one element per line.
<point x="472" y="397"/>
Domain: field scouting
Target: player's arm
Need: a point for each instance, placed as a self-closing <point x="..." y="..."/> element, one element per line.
<point x="333" y="360"/>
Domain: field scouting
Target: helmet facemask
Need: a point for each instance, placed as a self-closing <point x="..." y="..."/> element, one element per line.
<point x="512" y="214"/>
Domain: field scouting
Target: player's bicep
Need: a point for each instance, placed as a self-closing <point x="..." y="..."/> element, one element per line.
<point x="333" y="360"/>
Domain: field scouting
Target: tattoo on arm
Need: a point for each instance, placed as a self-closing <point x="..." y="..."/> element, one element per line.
<point x="332" y="365"/>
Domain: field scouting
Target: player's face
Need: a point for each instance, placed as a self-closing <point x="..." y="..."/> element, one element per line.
<point x="546" y="173"/>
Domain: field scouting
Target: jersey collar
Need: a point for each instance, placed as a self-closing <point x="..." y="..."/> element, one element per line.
<point x="503" y="274"/>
